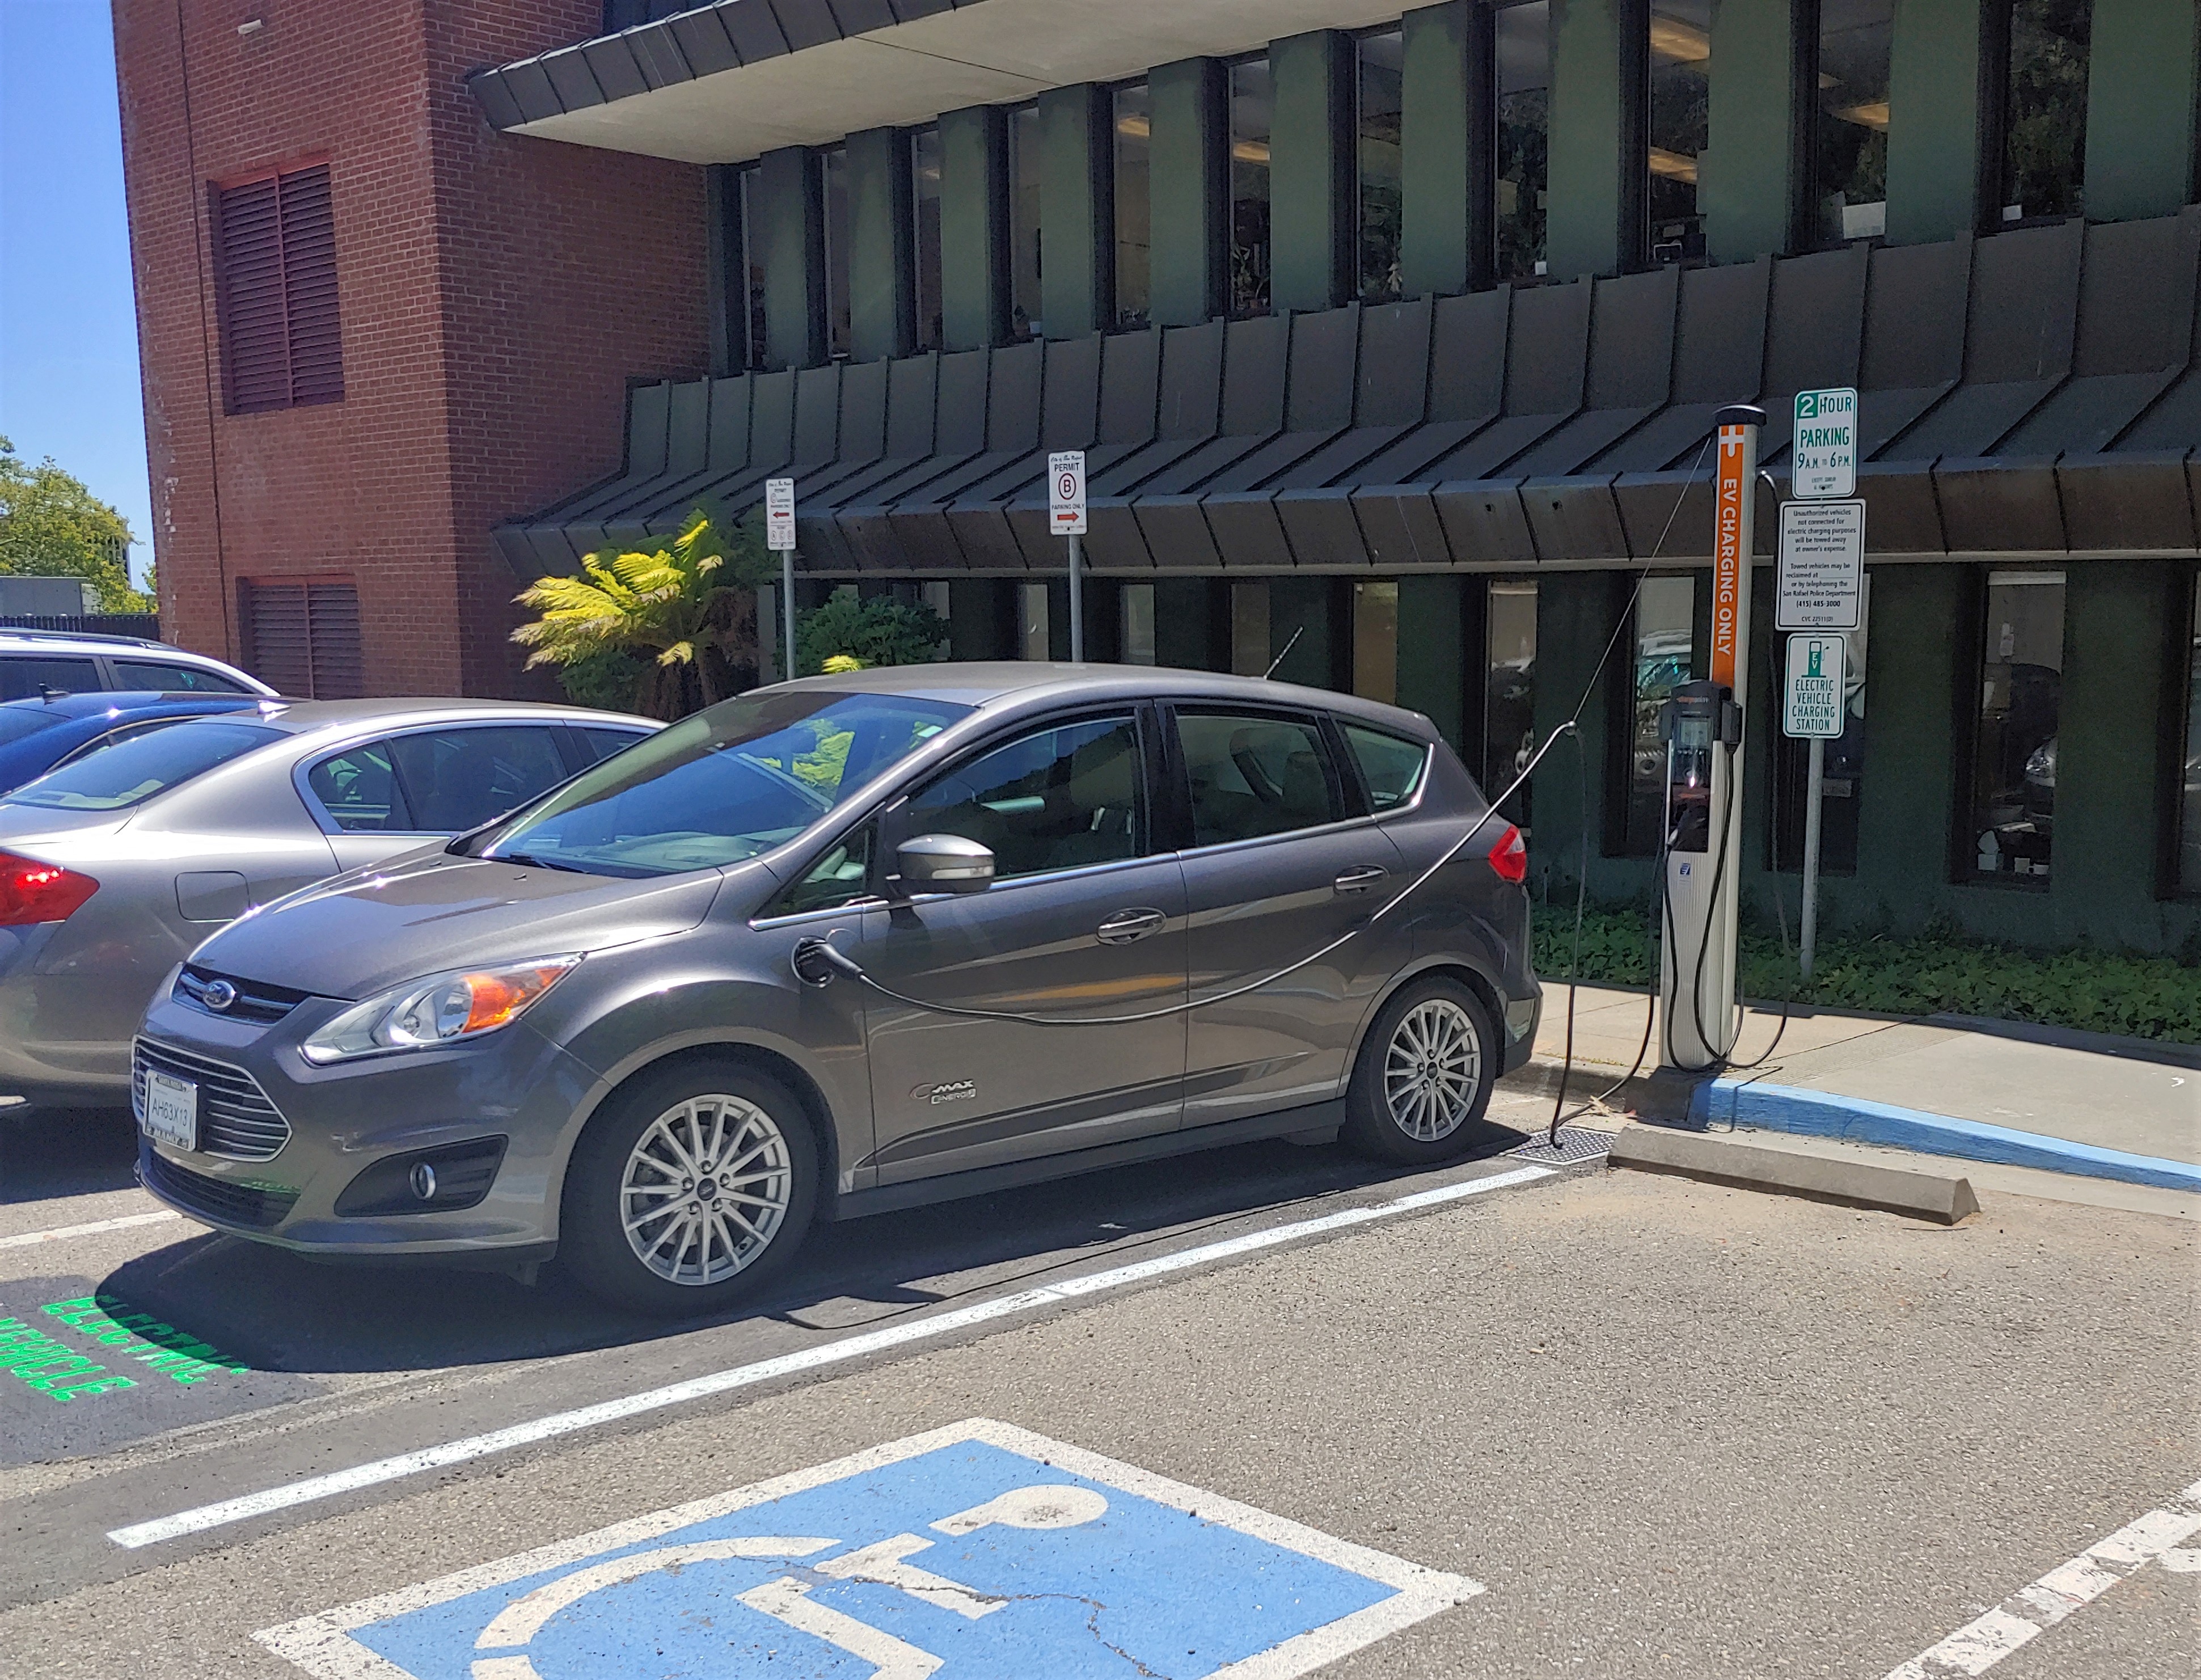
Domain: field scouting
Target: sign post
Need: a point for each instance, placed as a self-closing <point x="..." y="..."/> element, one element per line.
<point x="779" y="537"/>
<point x="1065" y="476"/>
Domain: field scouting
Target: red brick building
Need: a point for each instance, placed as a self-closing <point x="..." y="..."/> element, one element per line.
<point x="348" y="455"/>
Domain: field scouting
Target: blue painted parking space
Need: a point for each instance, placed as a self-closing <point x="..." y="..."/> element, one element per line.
<point x="978" y="1552"/>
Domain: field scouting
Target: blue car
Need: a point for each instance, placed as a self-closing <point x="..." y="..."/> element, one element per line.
<point x="36" y="735"/>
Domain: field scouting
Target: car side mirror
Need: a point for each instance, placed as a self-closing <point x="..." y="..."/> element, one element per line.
<point x="944" y="863"/>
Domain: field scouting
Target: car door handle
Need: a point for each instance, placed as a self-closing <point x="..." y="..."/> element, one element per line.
<point x="1360" y="879"/>
<point x="1127" y="927"/>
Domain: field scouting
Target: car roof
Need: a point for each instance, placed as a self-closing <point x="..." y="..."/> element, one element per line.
<point x="113" y="702"/>
<point x="303" y="717"/>
<point x="95" y="639"/>
<point x="1038" y="683"/>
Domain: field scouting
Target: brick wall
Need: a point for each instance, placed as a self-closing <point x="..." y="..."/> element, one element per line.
<point x="496" y="294"/>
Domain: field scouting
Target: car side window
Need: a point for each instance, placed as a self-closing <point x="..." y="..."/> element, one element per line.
<point x="1059" y="798"/>
<point x="359" y="790"/>
<point x="841" y="877"/>
<point x="1392" y="766"/>
<point x="1254" y="776"/>
<point x="146" y="673"/>
<point x="603" y="743"/>
<point x="28" y="678"/>
<point x="455" y="779"/>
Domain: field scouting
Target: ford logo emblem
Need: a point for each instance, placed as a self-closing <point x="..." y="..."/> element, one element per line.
<point x="219" y="995"/>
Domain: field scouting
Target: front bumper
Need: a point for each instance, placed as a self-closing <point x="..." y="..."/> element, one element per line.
<point x="344" y="1119"/>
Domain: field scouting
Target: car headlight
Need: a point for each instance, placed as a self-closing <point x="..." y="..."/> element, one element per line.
<point x="441" y="1009"/>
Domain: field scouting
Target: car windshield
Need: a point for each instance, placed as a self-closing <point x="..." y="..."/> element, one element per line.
<point x="719" y="787"/>
<point x="131" y="771"/>
<point x="19" y="721"/>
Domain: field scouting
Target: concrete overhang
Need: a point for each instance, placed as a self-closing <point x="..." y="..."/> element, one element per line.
<point x="727" y="82"/>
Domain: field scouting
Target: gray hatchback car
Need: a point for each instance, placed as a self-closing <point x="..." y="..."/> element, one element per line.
<point x="851" y="944"/>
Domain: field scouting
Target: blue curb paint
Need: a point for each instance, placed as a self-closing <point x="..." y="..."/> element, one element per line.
<point x="1821" y="1114"/>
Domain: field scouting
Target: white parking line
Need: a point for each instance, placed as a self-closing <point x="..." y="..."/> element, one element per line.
<point x="1978" y="1646"/>
<point x="29" y="1237"/>
<point x="809" y="1359"/>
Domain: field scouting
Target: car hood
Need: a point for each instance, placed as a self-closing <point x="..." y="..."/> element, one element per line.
<point x="360" y="933"/>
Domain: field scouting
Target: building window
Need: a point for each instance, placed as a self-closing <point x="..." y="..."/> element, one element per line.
<point x="1509" y="703"/>
<point x="1025" y="158"/>
<point x="924" y="223"/>
<point x="2189" y="799"/>
<point x="1032" y="641"/>
<point x="1249" y="629"/>
<point x="302" y="637"/>
<point x="275" y="288"/>
<point x="2045" y="131"/>
<point x="2014" y="744"/>
<point x="1381" y="56"/>
<point x="1850" y="146"/>
<point x="1680" y="106"/>
<point x="1138" y="624"/>
<point x="752" y="259"/>
<point x="1842" y="788"/>
<point x="1375" y="642"/>
<point x="1134" y="215"/>
<point x="1525" y="129"/>
<point x="834" y="165"/>
<point x="1665" y="644"/>
<point x="1253" y="111"/>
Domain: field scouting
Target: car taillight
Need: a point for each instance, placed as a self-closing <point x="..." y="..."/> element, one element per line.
<point x="1510" y="856"/>
<point x="31" y="892"/>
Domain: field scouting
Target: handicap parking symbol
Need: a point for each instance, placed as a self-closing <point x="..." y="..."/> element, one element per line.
<point x="976" y="1551"/>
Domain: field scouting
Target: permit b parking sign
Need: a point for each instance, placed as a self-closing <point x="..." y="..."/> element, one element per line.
<point x="976" y="1551"/>
<point x="1066" y="493"/>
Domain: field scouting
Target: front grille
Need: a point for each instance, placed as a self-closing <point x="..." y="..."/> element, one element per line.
<point x="236" y="1119"/>
<point x="217" y="1199"/>
<point x="256" y="1001"/>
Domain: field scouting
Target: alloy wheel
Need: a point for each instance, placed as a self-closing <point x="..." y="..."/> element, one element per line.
<point x="706" y="1188"/>
<point x="1432" y="1070"/>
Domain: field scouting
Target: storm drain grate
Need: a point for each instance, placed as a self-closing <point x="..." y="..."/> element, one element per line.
<point x="1577" y="1144"/>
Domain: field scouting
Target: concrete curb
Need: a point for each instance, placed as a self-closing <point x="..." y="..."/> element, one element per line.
<point x="1721" y="1161"/>
<point x="1823" y="1114"/>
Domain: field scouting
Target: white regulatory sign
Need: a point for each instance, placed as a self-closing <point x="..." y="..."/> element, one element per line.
<point x="1819" y="577"/>
<point x="1066" y="493"/>
<point x="778" y="513"/>
<point x="1811" y="697"/>
<point x="1824" y="445"/>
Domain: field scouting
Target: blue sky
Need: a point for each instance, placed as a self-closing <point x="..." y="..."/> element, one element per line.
<point x="68" y="324"/>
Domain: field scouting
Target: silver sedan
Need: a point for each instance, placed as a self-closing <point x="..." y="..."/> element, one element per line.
<point x="115" y="866"/>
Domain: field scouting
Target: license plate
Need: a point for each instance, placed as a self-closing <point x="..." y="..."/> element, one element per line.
<point x="172" y="1111"/>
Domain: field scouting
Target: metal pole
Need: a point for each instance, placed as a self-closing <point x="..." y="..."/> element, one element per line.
<point x="1077" y="598"/>
<point x="1814" y="790"/>
<point x="787" y="610"/>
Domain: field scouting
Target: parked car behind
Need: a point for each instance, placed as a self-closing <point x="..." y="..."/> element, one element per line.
<point x="582" y="1028"/>
<point x="113" y="867"/>
<point x="36" y="662"/>
<point x="36" y="735"/>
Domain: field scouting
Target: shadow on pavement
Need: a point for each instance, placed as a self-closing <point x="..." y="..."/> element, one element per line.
<point x="57" y="1152"/>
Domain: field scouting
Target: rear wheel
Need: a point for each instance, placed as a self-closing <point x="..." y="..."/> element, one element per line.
<point x="691" y="1190"/>
<point x="1422" y="1081"/>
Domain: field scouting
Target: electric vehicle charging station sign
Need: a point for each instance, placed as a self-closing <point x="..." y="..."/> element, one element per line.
<point x="1824" y="446"/>
<point x="1065" y="481"/>
<point x="1819" y="575"/>
<point x="1812" y="697"/>
<point x="779" y="514"/>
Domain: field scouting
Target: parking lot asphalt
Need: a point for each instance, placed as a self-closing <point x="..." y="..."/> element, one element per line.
<point x="1667" y="1427"/>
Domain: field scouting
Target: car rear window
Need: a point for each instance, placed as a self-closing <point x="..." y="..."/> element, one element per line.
<point x="174" y="678"/>
<point x="131" y="771"/>
<point x="1393" y="765"/>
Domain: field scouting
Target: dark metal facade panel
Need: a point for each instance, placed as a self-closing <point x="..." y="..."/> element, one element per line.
<point x="1631" y="341"/>
<point x="1192" y="380"/>
<point x="1719" y="347"/>
<point x="706" y="42"/>
<point x="818" y="415"/>
<point x="772" y="421"/>
<point x="962" y="424"/>
<point x="1914" y="326"/>
<point x="1901" y="513"/>
<point x="984" y="536"/>
<point x="1247" y="531"/>
<point x="730" y="423"/>
<point x="925" y="539"/>
<point x="2136" y="499"/>
<point x="1574" y="519"/>
<point x="1483" y="454"/>
<point x="1130" y="385"/>
<point x="2025" y="304"/>
<point x="1400" y="527"/>
<point x="1177" y="535"/>
<point x="1319" y="526"/>
<point x="909" y="11"/>
<point x="2087" y="414"/>
<point x="1256" y="359"/>
<point x="659" y="56"/>
<point x="1816" y="334"/>
<point x="1668" y="516"/>
<point x="2008" y="505"/>
<point x="529" y="83"/>
<point x="1012" y="397"/>
<point x="1547" y="350"/>
<point x="612" y="62"/>
<point x="1200" y="466"/>
<point x="753" y="28"/>
<point x="1115" y="540"/>
<point x="913" y="395"/>
<point x="1128" y="472"/>
<point x="1392" y="382"/>
<point x="1071" y="416"/>
<point x="805" y="23"/>
<point x="1324" y="347"/>
<point x="864" y="412"/>
<point x="2136" y="296"/>
<point x="1883" y="415"/>
<point x="1581" y="440"/>
<point x="1484" y="523"/>
<point x="491" y="93"/>
<point x="1406" y="461"/>
<point x="1971" y="421"/>
<point x="1272" y="457"/>
<point x="512" y="542"/>
<point x="1467" y="357"/>
<point x="687" y="427"/>
<point x="1340" y="458"/>
<point x="857" y="17"/>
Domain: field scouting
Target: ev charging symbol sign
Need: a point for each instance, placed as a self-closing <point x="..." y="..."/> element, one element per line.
<point x="977" y="1552"/>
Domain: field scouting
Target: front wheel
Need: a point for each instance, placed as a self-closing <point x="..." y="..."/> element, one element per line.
<point x="690" y="1191"/>
<point x="1423" y="1080"/>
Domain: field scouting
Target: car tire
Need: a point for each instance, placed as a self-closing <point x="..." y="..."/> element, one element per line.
<point x="653" y="1145"/>
<point x="1422" y="1081"/>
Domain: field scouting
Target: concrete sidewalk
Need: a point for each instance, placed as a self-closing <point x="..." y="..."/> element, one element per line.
<point x="2043" y="1097"/>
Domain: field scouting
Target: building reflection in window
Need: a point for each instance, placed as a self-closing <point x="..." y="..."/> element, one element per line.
<point x="924" y="205"/>
<point x="835" y="164"/>
<point x="1850" y="148"/>
<point x="1032" y="641"/>
<point x="1376" y="641"/>
<point x="1024" y="170"/>
<point x="1138" y="624"/>
<point x="1680" y="108"/>
<point x="1134" y="217"/>
<point x="2044" y="144"/>
<point x="752" y="259"/>
<point x="1666" y="656"/>
<point x="1525" y="126"/>
<point x="1249" y="629"/>
<point x="2014" y="750"/>
<point x="1509" y="703"/>
<point x="1381" y="57"/>
<point x="1252" y="112"/>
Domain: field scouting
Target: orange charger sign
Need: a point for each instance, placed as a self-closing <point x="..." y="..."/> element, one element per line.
<point x="1728" y="539"/>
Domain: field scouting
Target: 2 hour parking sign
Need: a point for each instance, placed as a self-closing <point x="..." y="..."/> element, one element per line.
<point x="977" y="1552"/>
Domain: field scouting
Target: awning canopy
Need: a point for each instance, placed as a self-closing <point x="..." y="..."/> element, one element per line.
<point x="2006" y="409"/>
